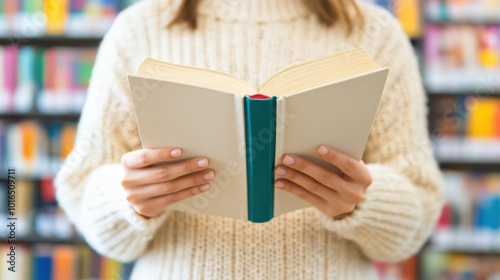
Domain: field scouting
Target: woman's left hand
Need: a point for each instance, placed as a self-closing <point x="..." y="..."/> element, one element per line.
<point x="333" y="194"/>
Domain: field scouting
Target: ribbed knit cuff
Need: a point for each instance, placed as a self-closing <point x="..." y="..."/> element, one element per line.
<point x="105" y="203"/>
<point x="387" y="220"/>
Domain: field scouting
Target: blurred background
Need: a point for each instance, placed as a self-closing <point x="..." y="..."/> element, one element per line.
<point x="47" y="49"/>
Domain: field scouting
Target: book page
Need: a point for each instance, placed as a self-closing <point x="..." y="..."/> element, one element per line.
<point x="203" y="122"/>
<point x="339" y="115"/>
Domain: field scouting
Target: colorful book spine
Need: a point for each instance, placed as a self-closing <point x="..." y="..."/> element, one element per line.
<point x="77" y="7"/>
<point x="462" y="58"/>
<point x="408" y="13"/>
<point x="10" y="9"/>
<point x="466" y="128"/>
<point x="470" y="219"/>
<point x="442" y="265"/>
<point x="61" y="262"/>
<point x="4" y="95"/>
<point x="477" y="11"/>
<point x="19" y="268"/>
<point x="110" y="7"/>
<point x="42" y="263"/>
<point x="260" y="129"/>
<point x="56" y="12"/>
<point x="24" y="94"/>
<point x="481" y="120"/>
<point x="10" y="72"/>
<point x="35" y="149"/>
<point x="52" y="80"/>
<point x="64" y="257"/>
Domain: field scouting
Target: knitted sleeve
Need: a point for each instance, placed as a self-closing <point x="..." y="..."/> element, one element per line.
<point x="88" y="185"/>
<point x="404" y="200"/>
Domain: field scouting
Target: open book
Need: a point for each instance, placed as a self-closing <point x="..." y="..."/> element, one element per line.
<point x="330" y="100"/>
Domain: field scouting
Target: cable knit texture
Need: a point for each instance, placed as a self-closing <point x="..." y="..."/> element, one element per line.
<point x="252" y="39"/>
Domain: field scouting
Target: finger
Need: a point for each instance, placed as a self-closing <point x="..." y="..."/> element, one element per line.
<point x="154" y="206"/>
<point x="141" y="193"/>
<point x="146" y="157"/>
<point x="305" y="181"/>
<point x="302" y="193"/>
<point x="321" y="174"/>
<point x="351" y="167"/>
<point x="162" y="173"/>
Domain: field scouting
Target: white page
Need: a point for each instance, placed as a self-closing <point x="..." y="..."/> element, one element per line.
<point x="339" y="115"/>
<point x="203" y="122"/>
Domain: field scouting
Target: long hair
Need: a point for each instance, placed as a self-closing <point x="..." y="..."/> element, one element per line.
<point x="328" y="12"/>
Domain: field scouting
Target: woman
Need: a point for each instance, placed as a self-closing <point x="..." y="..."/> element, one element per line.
<point x="383" y="209"/>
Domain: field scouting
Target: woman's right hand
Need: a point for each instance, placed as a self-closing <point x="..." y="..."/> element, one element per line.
<point x="150" y="189"/>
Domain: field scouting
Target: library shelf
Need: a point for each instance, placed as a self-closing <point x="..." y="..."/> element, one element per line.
<point x="464" y="21"/>
<point x="462" y="251"/>
<point x="49" y="240"/>
<point x="52" y="41"/>
<point x="494" y="93"/>
<point x="40" y="116"/>
<point x="469" y="165"/>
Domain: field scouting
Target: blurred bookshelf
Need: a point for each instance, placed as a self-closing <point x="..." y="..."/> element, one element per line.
<point x="47" y="50"/>
<point x="458" y="43"/>
<point x="461" y="73"/>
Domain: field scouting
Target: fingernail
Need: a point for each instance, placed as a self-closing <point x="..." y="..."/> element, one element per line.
<point x="288" y="160"/>
<point x="279" y="184"/>
<point x="209" y="176"/>
<point x="280" y="171"/>
<point x="203" y="163"/>
<point x="176" y="152"/>
<point x="204" y="187"/>
<point x="322" y="150"/>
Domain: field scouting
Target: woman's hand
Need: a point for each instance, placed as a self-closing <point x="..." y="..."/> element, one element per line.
<point x="150" y="189"/>
<point x="333" y="194"/>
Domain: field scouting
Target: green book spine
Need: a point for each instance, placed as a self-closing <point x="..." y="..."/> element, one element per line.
<point x="260" y="135"/>
<point x="39" y="66"/>
<point x="28" y="6"/>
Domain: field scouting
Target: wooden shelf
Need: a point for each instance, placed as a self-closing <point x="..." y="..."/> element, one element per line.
<point x="52" y="41"/>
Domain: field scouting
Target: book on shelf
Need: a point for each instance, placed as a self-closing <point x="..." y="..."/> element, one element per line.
<point x="330" y="100"/>
<point x="60" y="262"/>
<point x="47" y="80"/>
<point x="467" y="11"/>
<point x="50" y="221"/>
<point x="462" y="58"/>
<point x="466" y="128"/>
<point x="442" y="265"/>
<point x="470" y="220"/>
<point x="36" y="18"/>
<point x="37" y="213"/>
<point x="21" y="258"/>
<point x="35" y="149"/>
<point x="407" y="12"/>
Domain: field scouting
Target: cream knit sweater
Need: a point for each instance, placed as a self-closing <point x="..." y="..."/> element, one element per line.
<point x="251" y="39"/>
